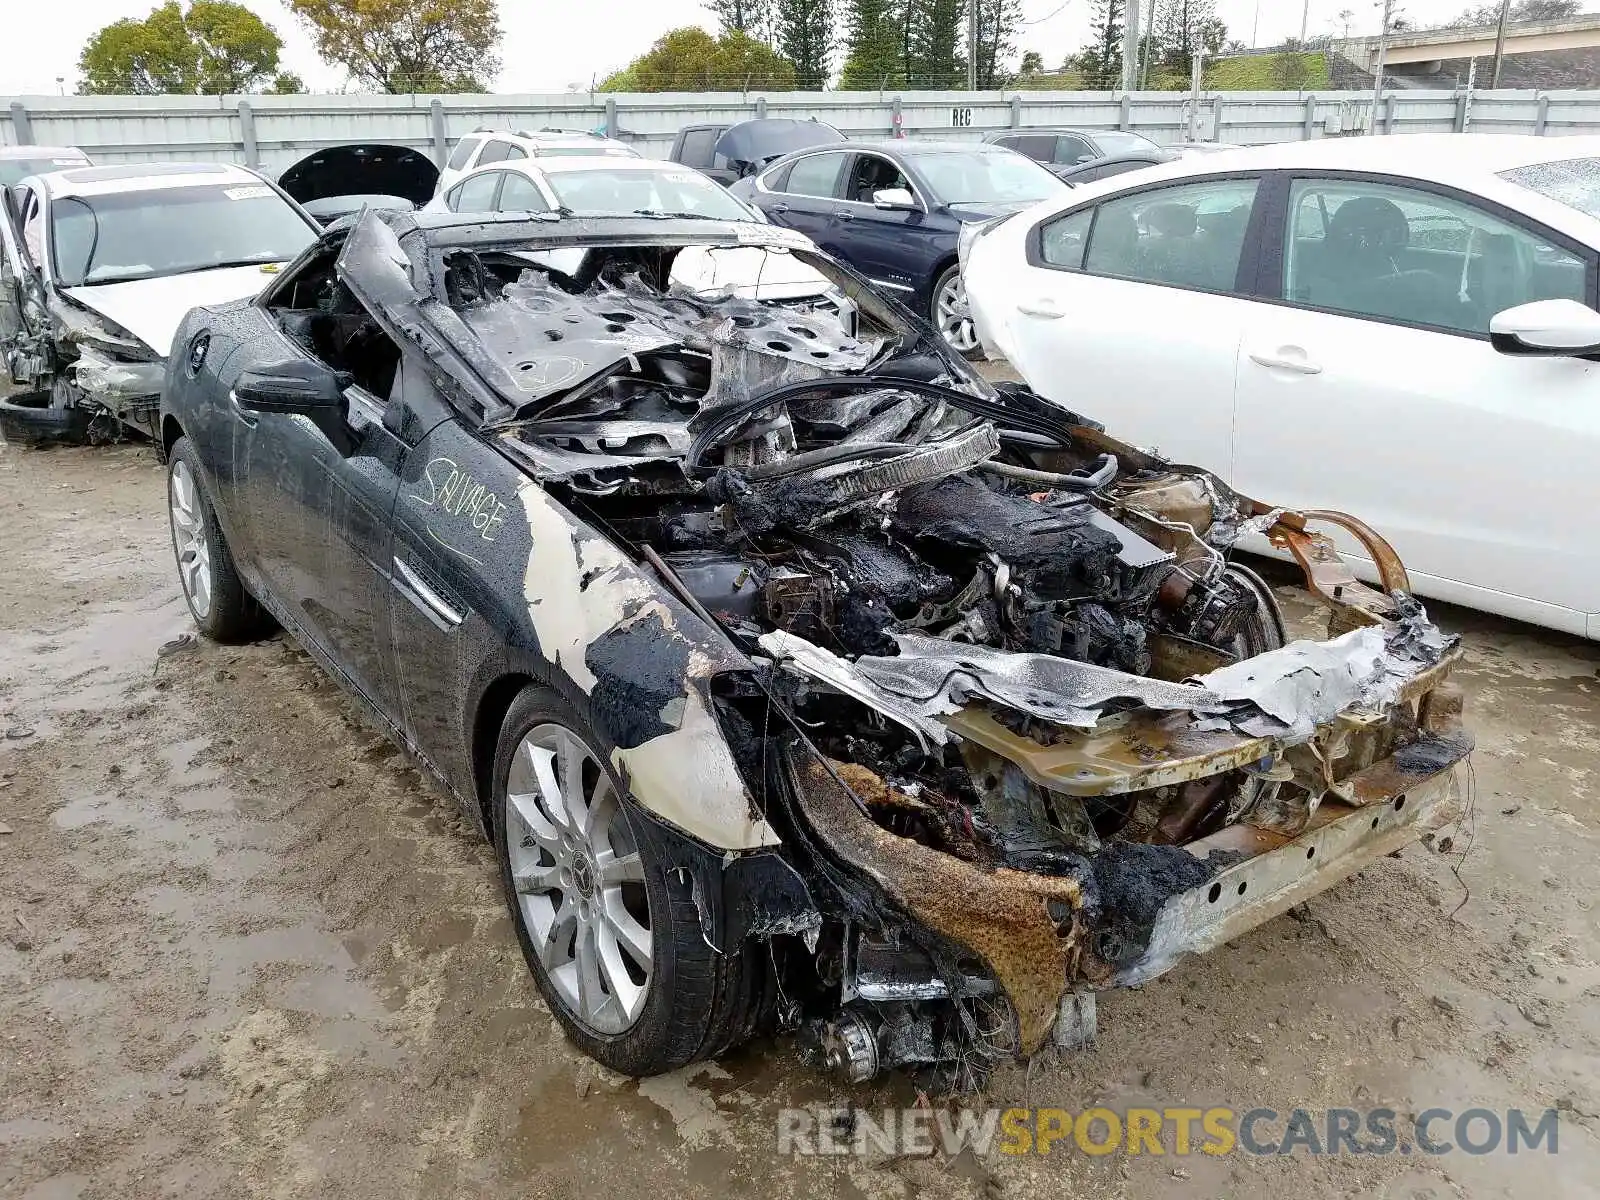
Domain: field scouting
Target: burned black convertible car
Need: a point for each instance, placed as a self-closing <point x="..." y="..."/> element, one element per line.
<point x="801" y="678"/>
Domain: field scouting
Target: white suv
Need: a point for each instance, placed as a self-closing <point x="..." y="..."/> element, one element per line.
<point x="484" y="146"/>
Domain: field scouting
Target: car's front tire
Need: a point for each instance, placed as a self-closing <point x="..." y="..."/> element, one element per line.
<point x="609" y="929"/>
<point x="950" y="315"/>
<point x="216" y="596"/>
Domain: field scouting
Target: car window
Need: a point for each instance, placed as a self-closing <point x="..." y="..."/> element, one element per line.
<point x="462" y="152"/>
<point x="697" y="147"/>
<point x="816" y="174"/>
<point x="872" y="173"/>
<point x="1071" y="148"/>
<point x="476" y="194"/>
<point x="1403" y="254"/>
<point x="1190" y="235"/>
<point x="1574" y="182"/>
<point x="668" y="189"/>
<point x="114" y="237"/>
<point x="1063" y="240"/>
<point x="514" y="151"/>
<point x="1040" y="147"/>
<point x="983" y="177"/>
<point x="777" y="179"/>
<point x="520" y="194"/>
<point x="494" y="150"/>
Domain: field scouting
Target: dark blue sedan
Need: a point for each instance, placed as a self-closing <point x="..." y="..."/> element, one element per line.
<point x="893" y="211"/>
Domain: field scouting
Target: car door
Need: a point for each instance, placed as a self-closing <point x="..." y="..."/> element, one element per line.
<point x="1132" y="310"/>
<point x="803" y="195"/>
<point x="316" y="509"/>
<point x="896" y="248"/>
<point x="1373" y="387"/>
<point x="23" y="317"/>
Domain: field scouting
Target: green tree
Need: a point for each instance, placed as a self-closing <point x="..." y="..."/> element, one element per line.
<point x="287" y="83"/>
<point x="1289" y="69"/>
<point x="998" y="23"/>
<point x="407" y="45"/>
<point x="1032" y="63"/>
<point x="1180" y="30"/>
<point x="691" y="60"/>
<point x="804" y="32"/>
<point x="874" y="49"/>
<point x="1101" y="60"/>
<point x="752" y="17"/>
<point x="1524" y="12"/>
<point x="214" y="48"/>
<point x="931" y="43"/>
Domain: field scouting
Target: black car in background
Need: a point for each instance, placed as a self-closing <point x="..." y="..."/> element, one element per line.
<point x="1111" y="165"/>
<point x="1063" y="149"/>
<point x="893" y="210"/>
<point x="728" y="153"/>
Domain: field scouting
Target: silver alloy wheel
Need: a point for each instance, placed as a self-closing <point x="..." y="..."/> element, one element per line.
<point x="189" y="539"/>
<point x="952" y="316"/>
<point x="579" y="879"/>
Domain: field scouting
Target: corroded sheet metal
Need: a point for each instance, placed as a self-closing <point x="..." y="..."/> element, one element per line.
<point x="1002" y="916"/>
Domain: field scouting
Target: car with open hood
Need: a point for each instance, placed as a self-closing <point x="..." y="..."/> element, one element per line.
<point x="98" y="265"/>
<point x="339" y="181"/>
<point x="800" y="679"/>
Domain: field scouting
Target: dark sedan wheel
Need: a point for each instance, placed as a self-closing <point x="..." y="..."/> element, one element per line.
<point x="951" y="316"/>
<point x="217" y="599"/>
<point x="613" y="938"/>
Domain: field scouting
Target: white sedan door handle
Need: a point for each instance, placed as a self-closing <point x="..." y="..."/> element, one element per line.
<point x="1288" y="358"/>
<point x="1043" y="307"/>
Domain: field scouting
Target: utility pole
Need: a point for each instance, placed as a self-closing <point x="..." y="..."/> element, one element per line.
<point x="1383" y="53"/>
<point x="1500" y="43"/>
<point x="1305" y="22"/>
<point x="972" y="45"/>
<point x="1130" y="46"/>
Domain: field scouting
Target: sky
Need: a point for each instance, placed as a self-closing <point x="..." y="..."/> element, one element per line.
<point x="551" y="45"/>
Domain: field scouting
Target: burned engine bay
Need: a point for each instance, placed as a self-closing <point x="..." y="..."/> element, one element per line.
<point x="1004" y="672"/>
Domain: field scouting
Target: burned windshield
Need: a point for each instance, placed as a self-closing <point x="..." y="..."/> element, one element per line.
<point x="123" y="236"/>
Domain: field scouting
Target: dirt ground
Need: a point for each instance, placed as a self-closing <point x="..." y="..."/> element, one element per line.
<point x="244" y="952"/>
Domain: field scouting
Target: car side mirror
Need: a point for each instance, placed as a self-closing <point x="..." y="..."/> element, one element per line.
<point x="298" y="386"/>
<point x="1547" y="329"/>
<point x="893" y="198"/>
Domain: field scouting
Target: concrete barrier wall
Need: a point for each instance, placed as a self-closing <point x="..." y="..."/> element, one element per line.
<point x="273" y="131"/>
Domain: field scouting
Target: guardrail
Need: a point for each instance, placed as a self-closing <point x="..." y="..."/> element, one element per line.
<point x="271" y="132"/>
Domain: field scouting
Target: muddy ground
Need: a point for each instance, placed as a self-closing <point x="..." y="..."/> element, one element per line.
<point x="245" y="952"/>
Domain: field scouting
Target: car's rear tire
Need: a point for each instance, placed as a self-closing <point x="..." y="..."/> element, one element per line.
<point x="947" y="309"/>
<point x="609" y="929"/>
<point x="216" y="596"/>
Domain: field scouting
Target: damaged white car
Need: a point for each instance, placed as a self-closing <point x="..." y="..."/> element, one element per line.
<point x="801" y="679"/>
<point x="99" y="266"/>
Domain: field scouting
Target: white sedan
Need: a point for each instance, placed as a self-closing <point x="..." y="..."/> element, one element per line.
<point x="1403" y="327"/>
<point x="619" y="187"/>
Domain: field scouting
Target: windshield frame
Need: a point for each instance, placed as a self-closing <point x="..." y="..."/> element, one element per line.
<point x="59" y="278"/>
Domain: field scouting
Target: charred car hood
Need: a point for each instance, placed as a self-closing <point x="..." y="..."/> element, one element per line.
<point x="151" y="309"/>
